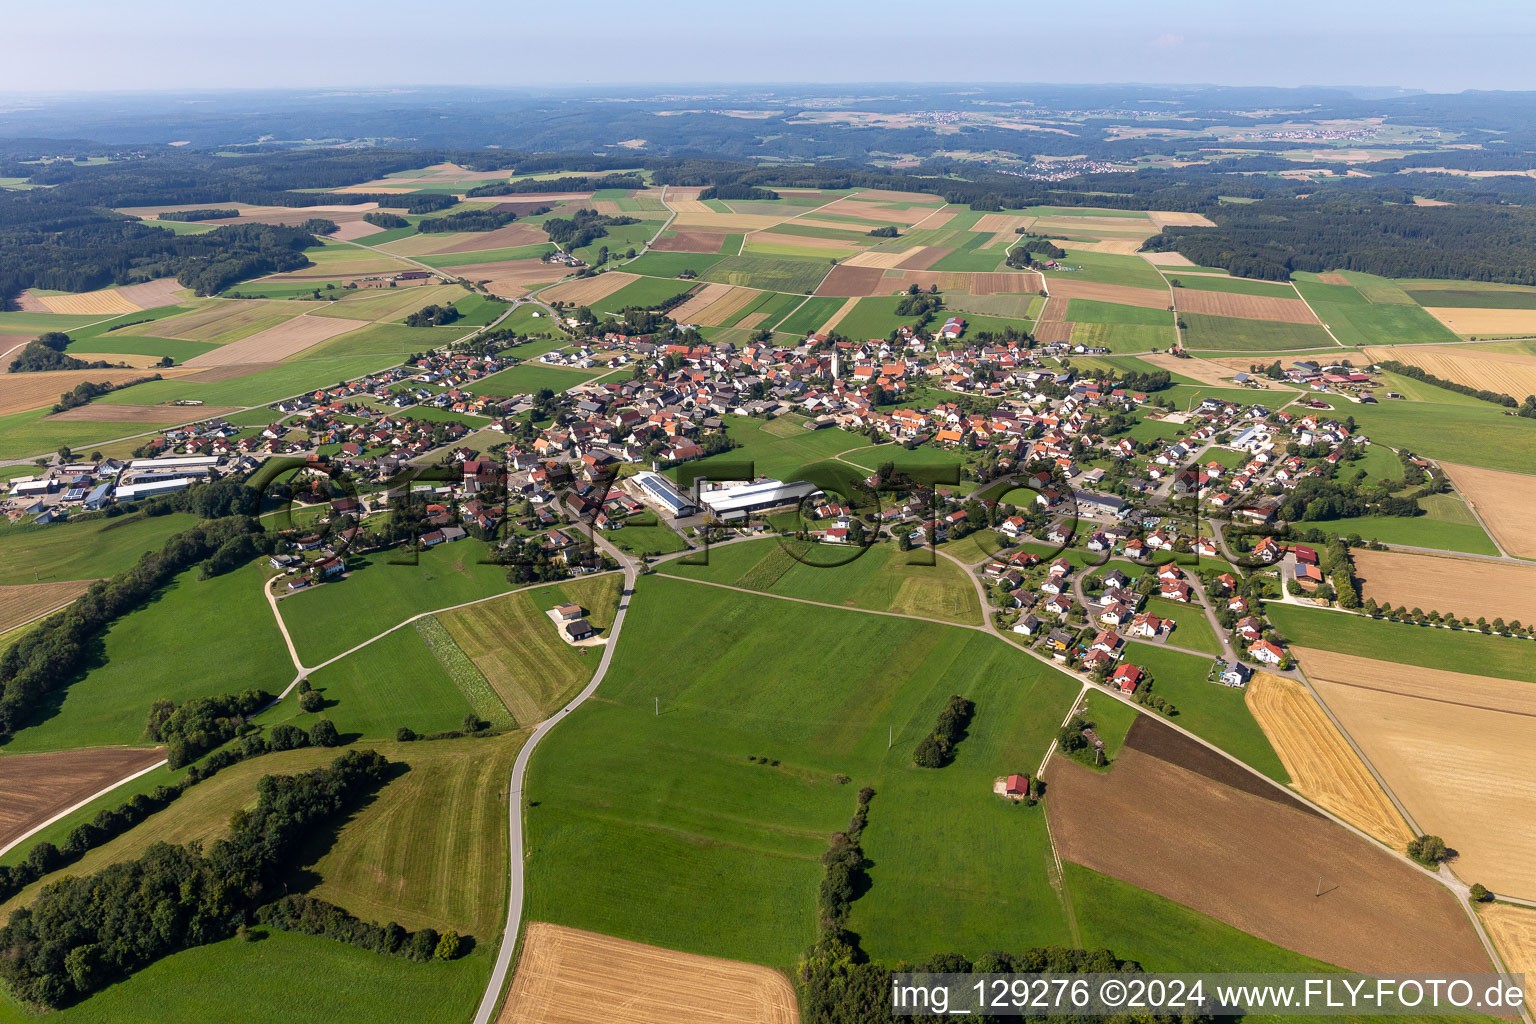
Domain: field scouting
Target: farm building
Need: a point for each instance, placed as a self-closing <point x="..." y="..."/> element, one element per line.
<point x="739" y="502"/>
<point x="579" y="629"/>
<point x="568" y="612"/>
<point x="1016" y="787"/>
<point x="665" y="493"/>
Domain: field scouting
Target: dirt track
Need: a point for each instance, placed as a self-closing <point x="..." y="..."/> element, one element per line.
<point x="1255" y="864"/>
<point x="566" y="976"/>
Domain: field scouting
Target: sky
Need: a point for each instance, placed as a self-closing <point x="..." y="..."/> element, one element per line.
<point x="113" y="45"/>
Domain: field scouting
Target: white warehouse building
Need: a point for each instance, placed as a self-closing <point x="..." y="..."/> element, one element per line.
<point x="740" y="501"/>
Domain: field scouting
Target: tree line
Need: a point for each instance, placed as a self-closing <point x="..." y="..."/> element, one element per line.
<point x="582" y="228"/>
<point x="937" y="749"/>
<point x="83" y="934"/>
<point x="196" y="215"/>
<point x="565" y="184"/>
<point x="466" y="220"/>
<point x="46" y="353"/>
<point x="197" y="725"/>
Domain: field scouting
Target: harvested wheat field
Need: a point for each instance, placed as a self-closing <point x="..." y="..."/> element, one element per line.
<point x="1321" y="764"/>
<point x="1167" y="259"/>
<point x="1095" y="227"/>
<point x="883" y="260"/>
<point x="28" y="601"/>
<point x="278" y="343"/>
<point x="924" y="258"/>
<point x="854" y="206"/>
<point x="502" y="238"/>
<point x="752" y="322"/>
<point x="1203" y="370"/>
<point x="688" y="205"/>
<point x="101" y="412"/>
<point x="1459" y="586"/>
<point x="566" y="976"/>
<point x="723" y="308"/>
<point x="22" y="392"/>
<point x="701" y="300"/>
<point x="1147" y="298"/>
<point x="217" y="319"/>
<point x="35" y="787"/>
<point x="996" y="222"/>
<point x="1165" y="219"/>
<point x="944" y="281"/>
<point x="691" y="241"/>
<point x="1459" y="751"/>
<point x="510" y="278"/>
<point x="1244" y="307"/>
<point x="1006" y="283"/>
<point x="1511" y="373"/>
<point x="849" y="281"/>
<point x="164" y="291"/>
<point x="1503" y="501"/>
<point x="1481" y="322"/>
<point x="587" y="290"/>
<point x="1513" y="930"/>
<point x="106" y="302"/>
<point x="1254" y="863"/>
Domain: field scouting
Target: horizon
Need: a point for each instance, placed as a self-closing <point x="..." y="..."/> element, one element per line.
<point x="151" y="46"/>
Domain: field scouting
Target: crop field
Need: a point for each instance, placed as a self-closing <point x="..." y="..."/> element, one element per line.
<point x="1355" y="320"/>
<point x="1233" y="285"/>
<point x="519" y="651"/>
<point x="1094" y="311"/>
<point x="880" y="579"/>
<point x="83" y="550"/>
<point x="197" y="637"/>
<point x="396" y="680"/>
<point x="25" y="392"/>
<point x="1215" y="713"/>
<point x="1109" y="294"/>
<point x="1246" y="307"/>
<point x="715" y="308"/>
<point x="645" y="292"/>
<point x="219" y="321"/>
<point x="35" y="787"/>
<point x="769" y="273"/>
<point x="670" y="264"/>
<point x="850" y="281"/>
<point x="873" y="317"/>
<point x="1470" y="295"/>
<point x="391" y="303"/>
<point x="1504" y="372"/>
<point x="431" y="849"/>
<point x="696" y="241"/>
<point x="511" y="254"/>
<point x="1513" y="930"/>
<point x="1456" y="586"/>
<point x="1503" y="500"/>
<point x="1202" y="331"/>
<point x="1108" y="269"/>
<point x="587" y="290"/>
<point x="1459" y="751"/>
<point x="701" y="821"/>
<point x="509" y="279"/>
<point x="321" y="980"/>
<point x="1162" y="935"/>
<point x="24" y="602"/>
<point x="1252" y="860"/>
<point x="1022" y="306"/>
<point x="1321" y="764"/>
<point x="577" y="977"/>
<point x="810" y="316"/>
<point x="1494" y="321"/>
<point x="277" y="343"/>
<point x="98" y="303"/>
<point x="1474" y="435"/>
<point x="377" y="594"/>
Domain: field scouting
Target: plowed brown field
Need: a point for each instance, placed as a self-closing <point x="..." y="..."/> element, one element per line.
<point x="1004" y="283"/>
<point x="566" y="976"/>
<point x="924" y="258"/>
<point x="35" y="787"/>
<point x="1320" y="763"/>
<point x="510" y="278"/>
<point x="502" y="238"/>
<point x="1254" y="864"/>
<point x="1458" y="750"/>
<point x="1244" y="307"/>
<point x="691" y="241"/>
<point x="847" y="281"/>
<point x="1147" y="298"/>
